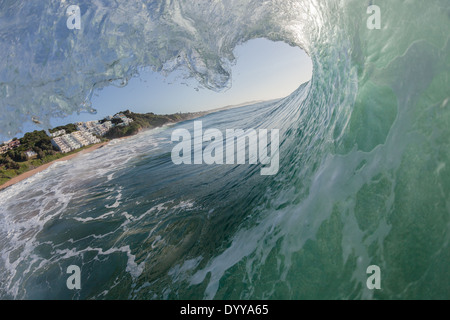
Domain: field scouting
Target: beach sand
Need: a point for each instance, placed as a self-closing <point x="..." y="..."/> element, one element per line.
<point x="30" y="173"/>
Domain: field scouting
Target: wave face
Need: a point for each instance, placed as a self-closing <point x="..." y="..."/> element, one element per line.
<point x="364" y="157"/>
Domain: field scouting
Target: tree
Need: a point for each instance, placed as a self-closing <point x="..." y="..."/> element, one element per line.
<point x="13" y="165"/>
<point x="37" y="149"/>
<point x="20" y="156"/>
<point x="116" y="121"/>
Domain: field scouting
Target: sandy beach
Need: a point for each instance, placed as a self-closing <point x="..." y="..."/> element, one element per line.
<point x="30" y="173"/>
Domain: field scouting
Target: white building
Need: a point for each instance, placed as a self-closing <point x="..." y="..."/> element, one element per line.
<point x="57" y="133"/>
<point x="95" y="127"/>
<point x="61" y="145"/>
<point x="30" y="154"/>
<point x="74" y="141"/>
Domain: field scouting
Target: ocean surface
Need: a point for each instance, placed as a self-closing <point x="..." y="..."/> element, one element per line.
<point x="364" y="174"/>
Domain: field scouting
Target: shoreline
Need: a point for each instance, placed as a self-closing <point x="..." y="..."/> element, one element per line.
<point x="41" y="168"/>
<point x="32" y="172"/>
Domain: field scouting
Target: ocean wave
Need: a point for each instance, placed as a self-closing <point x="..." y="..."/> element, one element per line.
<point x="363" y="177"/>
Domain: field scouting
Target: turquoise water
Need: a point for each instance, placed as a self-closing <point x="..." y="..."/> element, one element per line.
<point x="364" y="158"/>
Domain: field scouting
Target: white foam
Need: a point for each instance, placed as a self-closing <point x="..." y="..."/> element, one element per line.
<point x="117" y="202"/>
<point x="102" y="217"/>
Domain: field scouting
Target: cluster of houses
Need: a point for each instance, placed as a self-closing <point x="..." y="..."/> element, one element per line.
<point x="11" y="144"/>
<point x="8" y="145"/>
<point x="100" y="129"/>
<point x="57" y="133"/>
<point x="120" y="116"/>
<point x="73" y="141"/>
<point x="85" y="136"/>
<point x="95" y="127"/>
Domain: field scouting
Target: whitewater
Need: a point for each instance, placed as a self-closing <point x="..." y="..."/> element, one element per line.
<point x="364" y="172"/>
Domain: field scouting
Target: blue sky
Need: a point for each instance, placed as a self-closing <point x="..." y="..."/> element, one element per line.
<point x="264" y="70"/>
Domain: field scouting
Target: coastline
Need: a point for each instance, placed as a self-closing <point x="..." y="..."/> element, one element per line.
<point x="32" y="172"/>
